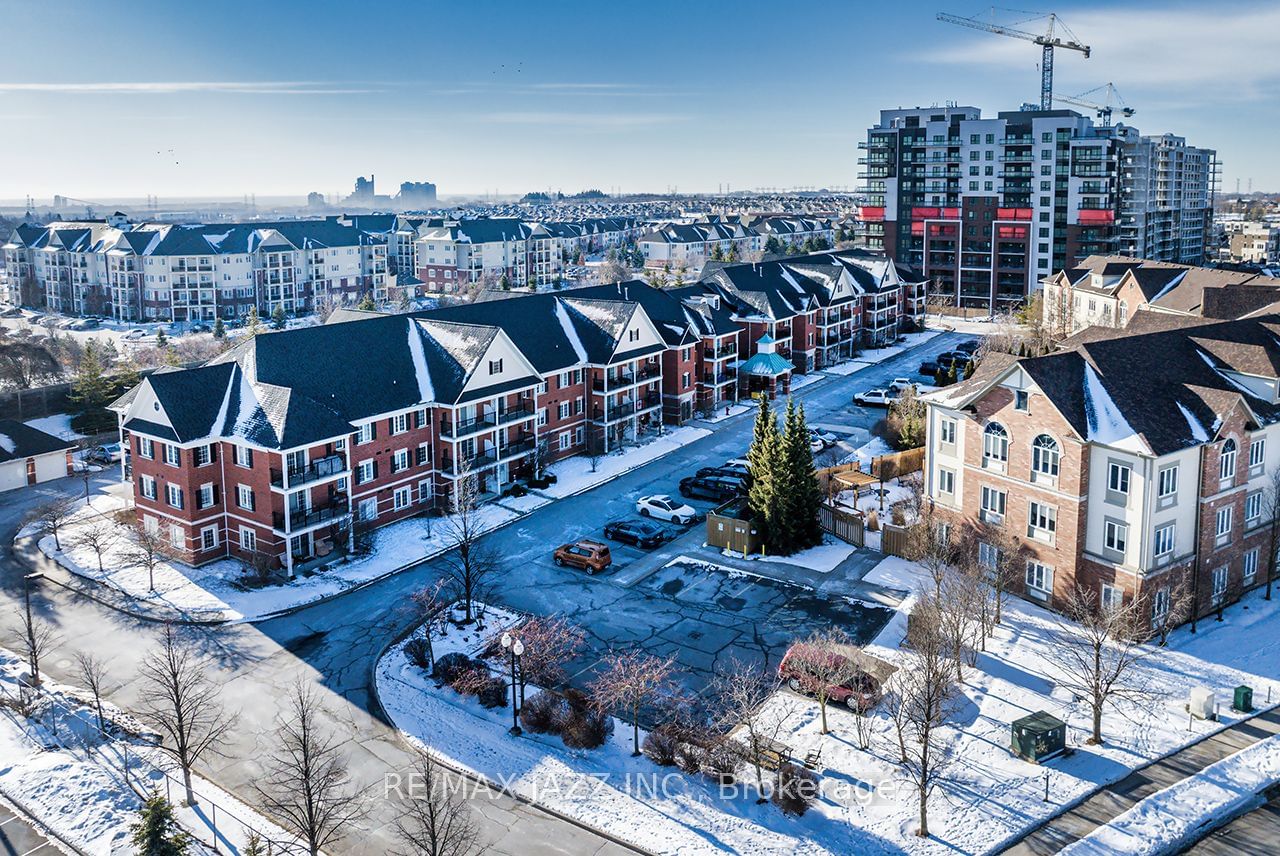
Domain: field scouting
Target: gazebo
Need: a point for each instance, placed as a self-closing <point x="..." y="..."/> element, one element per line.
<point x="766" y="371"/>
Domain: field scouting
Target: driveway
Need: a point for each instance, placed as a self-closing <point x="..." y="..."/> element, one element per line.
<point x="334" y="645"/>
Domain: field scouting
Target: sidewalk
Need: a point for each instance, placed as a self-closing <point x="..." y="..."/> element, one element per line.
<point x="1107" y="803"/>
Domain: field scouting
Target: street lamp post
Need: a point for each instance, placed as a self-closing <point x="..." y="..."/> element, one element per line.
<point x="516" y="648"/>
<point x="32" y="645"/>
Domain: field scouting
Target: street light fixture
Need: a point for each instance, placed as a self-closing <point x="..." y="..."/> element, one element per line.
<point x="516" y="648"/>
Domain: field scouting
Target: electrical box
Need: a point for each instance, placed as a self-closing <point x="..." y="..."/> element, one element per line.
<point x="1203" y="705"/>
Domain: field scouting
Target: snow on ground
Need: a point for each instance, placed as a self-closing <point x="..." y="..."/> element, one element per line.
<point x="823" y="558"/>
<point x="59" y="425"/>
<point x="873" y="448"/>
<point x="721" y="415"/>
<point x="802" y="380"/>
<point x="1167" y="819"/>
<point x="872" y="356"/>
<point x="58" y="768"/>
<point x="574" y="475"/>
<point x="218" y="590"/>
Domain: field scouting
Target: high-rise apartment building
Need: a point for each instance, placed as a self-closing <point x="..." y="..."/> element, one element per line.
<point x="987" y="207"/>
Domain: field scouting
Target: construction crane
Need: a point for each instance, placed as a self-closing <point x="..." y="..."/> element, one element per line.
<point x="1105" y="109"/>
<point x="1048" y="41"/>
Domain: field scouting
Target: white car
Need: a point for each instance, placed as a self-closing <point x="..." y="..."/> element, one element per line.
<point x="135" y="335"/>
<point x="901" y="383"/>
<point x="876" y="397"/>
<point x="663" y="507"/>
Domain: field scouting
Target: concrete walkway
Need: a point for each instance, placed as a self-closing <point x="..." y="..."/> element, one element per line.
<point x="1112" y="800"/>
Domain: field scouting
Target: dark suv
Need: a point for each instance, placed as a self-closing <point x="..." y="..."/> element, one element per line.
<point x="715" y="488"/>
<point x="641" y="533"/>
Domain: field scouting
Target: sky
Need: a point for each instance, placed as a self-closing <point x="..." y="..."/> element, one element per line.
<point x="282" y="97"/>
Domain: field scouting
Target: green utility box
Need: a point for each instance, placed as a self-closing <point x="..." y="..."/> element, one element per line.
<point x="1039" y="737"/>
<point x="1244" y="699"/>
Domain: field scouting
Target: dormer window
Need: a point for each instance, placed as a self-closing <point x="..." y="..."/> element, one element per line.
<point x="1227" y="461"/>
<point x="633" y="335"/>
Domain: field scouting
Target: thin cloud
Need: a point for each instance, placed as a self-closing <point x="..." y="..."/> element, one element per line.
<point x="581" y="120"/>
<point x="170" y="87"/>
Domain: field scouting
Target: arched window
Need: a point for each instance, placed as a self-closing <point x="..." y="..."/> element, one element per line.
<point x="995" y="443"/>
<point x="1227" y="462"/>
<point x="1044" y="456"/>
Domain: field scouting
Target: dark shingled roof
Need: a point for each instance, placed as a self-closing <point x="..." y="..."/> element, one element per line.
<point x="19" y="441"/>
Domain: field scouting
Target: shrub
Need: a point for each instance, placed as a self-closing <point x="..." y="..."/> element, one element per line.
<point x="689" y="757"/>
<point x="796" y="788"/>
<point x="492" y="692"/>
<point x="450" y="666"/>
<point x="721" y="764"/>
<point x="541" y="713"/>
<point x="898" y="516"/>
<point x="660" y="747"/>
<point x="873" y="521"/>
<point x="585" y="728"/>
<point x="418" y="652"/>
<point x="470" y="681"/>
<point x="518" y="490"/>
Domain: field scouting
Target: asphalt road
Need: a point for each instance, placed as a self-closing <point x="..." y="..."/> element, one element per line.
<point x="334" y="645"/>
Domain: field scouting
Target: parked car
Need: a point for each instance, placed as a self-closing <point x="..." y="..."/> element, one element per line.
<point x="826" y="438"/>
<point x="663" y="507"/>
<point x="640" y="533"/>
<point x="802" y="663"/>
<point x="11" y="312"/>
<point x="929" y="367"/>
<point x="737" y="468"/>
<point x="590" y="556"/>
<point x="135" y="335"/>
<point x="725" y="472"/>
<point x="969" y="346"/>
<point x="901" y="383"/>
<point x="956" y="358"/>
<point x="715" y="488"/>
<point x="876" y="397"/>
<point x="199" y="327"/>
<point x="108" y="454"/>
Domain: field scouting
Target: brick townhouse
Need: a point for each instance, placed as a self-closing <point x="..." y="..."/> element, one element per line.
<point x="1125" y="462"/>
<point x="288" y="442"/>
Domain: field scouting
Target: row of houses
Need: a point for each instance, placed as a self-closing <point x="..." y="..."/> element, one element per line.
<point x="1136" y="462"/>
<point x="690" y="245"/>
<point x="286" y="443"/>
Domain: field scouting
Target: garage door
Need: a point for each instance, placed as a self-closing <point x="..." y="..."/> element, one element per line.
<point x="51" y="466"/>
<point x="13" y="474"/>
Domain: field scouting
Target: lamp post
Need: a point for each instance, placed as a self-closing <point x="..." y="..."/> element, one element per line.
<point x="516" y="648"/>
<point x="32" y="646"/>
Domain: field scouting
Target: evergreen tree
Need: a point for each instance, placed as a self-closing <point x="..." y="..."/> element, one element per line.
<point x="804" y="495"/>
<point x="171" y="358"/>
<point x="366" y="303"/>
<point x="773" y="245"/>
<point x="940" y="377"/>
<point x="252" y="324"/>
<point x="219" y="329"/>
<point x="504" y="283"/>
<point x="968" y="370"/>
<point x="162" y="339"/>
<point x="840" y="236"/>
<point x="90" y="389"/>
<point x="951" y="374"/>
<point x="108" y="353"/>
<point x="277" y="317"/>
<point x="732" y="255"/>
<point x="716" y="255"/>
<point x="784" y="533"/>
<point x="762" y="460"/>
<point x="127" y="375"/>
<point x="253" y="846"/>
<point x="156" y="833"/>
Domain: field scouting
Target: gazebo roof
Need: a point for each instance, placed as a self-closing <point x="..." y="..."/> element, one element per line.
<point x="766" y="365"/>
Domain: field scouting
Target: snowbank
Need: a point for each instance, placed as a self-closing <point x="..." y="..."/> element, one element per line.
<point x="574" y="475"/>
<point x="823" y="558"/>
<point x="59" y="425"/>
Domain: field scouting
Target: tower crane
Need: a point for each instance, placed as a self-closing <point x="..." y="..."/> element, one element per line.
<point x="1047" y="41"/>
<point x="1104" y="109"/>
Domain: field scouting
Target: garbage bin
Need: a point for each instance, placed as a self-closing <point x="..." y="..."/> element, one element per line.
<point x="1244" y="699"/>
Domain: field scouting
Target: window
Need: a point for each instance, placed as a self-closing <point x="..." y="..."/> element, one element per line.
<point x="1167" y="484"/>
<point x="177" y="537"/>
<point x="1222" y="528"/>
<point x="366" y="433"/>
<point x="420" y="417"/>
<point x="565" y="441"/>
<point x="946" y="481"/>
<point x="172" y="455"/>
<point x="402" y="498"/>
<point x="400" y="460"/>
<point x="244" y="456"/>
<point x="365" y="472"/>
<point x="1219" y="584"/>
<point x="204" y="496"/>
<point x="425" y="490"/>
<point x="399" y="423"/>
<point x="995" y="445"/>
<point x="368" y="509"/>
<point x="1118" y="478"/>
<point x="1115" y="536"/>
<point x="988" y="555"/>
<point x="1257" y="454"/>
<point x="633" y="335"/>
<point x="203" y="455"/>
<point x="248" y="539"/>
<point x="542" y="416"/>
<point x="993" y="503"/>
<point x="244" y="497"/>
<point x="148" y="487"/>
<point x="1020" y="400"/>
<point x="947" y="431"/>
<point x="424" y="454"/>
<point x="1042" y="521"/>
<point x="1160" y="606"/>
<point x="1039" y="580"/>
<point x="1252" y="509"/>
<point x="563" y="412"/>
<point x="1163" y="541"/>
<point x="1250" y="566"/>
<point x="208" y="537"/>
<point x="495" y="367"/>
<point x="1045" y="457"/>
<point x="1112" y="597"/>
<point x="1227" y="460"/>
<point x="147" y="448"/>
<point x="173" y="495"/>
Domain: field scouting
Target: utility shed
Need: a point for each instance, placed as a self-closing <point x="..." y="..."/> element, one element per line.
<point x="1039" y="737"/>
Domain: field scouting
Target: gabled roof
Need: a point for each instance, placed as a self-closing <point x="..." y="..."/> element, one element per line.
<point x="19" y="441"/>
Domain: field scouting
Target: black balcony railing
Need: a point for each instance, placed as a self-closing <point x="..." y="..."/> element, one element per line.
<point x="470" y="425"/>
<point x="301" y="518"/>
<point x="516" y="447"/>
<point x="515" y="414"/>
<point x="331" y="465"/>
<point x="456" y="466"/>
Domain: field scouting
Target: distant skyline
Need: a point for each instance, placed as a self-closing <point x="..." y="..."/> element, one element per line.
<point x="284" y="98"/>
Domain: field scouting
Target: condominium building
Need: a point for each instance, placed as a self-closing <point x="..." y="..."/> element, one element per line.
<point x="1132" y="463"/>
<point x="985" y="208"/>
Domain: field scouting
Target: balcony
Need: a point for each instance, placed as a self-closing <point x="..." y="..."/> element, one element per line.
<point x="726" y="351"/>
<point x="455" y="467"/>
<point x="333" y="465"/>
<point x="305" y="518"/>
<point x="515" y="414"/>
<point x="516" y="448"/>
<point x="462" y="427"/>
<point x="714" y="379"/>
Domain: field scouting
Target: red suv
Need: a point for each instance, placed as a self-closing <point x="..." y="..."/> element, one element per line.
<point x="803" y="665"/>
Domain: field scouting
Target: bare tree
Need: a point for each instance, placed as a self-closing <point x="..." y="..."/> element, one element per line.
<point x="1006" y="570"/>
<point x="821" y="664"/>
<point x="926" y="688"/>
<point x="550" y="642"/>
<point x="433" y="821"/>
<point x="34" y="639"/>
<point x="306" y="788"/>
<point x="431" y="603"/>
<point x="150" y="550"/>
<point x="1096" y="650"/>
<point x="631" y="680"/>
<point x="99" y="537"/>
<point x="1271" y="512"/>
<point x="182" y="701"/>
<point x="53" y="516"/>
<point x="738" y="695"/>
<point x="468" y="562"/>
<point x="1168" y="607"/>
<point x="959" y="615"/>
<point x="92" y="671"/>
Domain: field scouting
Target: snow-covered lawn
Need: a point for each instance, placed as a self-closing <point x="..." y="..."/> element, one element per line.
<point x="823" y="558"/>
<point x="733" y="410"/>
<point x="574" y="475"/>
<point x="864" y="454"/>
<point x="1164" y="821"/>
<point x="59" y="425"/>
<point x="57" y="767"/>
<point x="872" y="356"/>
<point x="219" y="591"/>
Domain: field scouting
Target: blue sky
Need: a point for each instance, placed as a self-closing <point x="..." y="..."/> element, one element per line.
<point x="227" y="98"/>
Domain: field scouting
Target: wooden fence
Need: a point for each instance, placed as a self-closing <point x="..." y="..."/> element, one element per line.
<point x="897" y="464"/>
<point x="845" y="525"/>
<point x="894" y="540"/>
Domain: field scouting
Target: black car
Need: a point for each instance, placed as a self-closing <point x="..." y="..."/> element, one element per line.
<point x="929" y="367"/>
<point x="715" y="488"/>
<point x="953" y="358"/>
<point x="641" y="533"/>
<point x="721" y="472"/>
<point x="969" y="346"/>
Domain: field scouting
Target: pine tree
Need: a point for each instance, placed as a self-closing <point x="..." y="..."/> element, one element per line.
<point x="127" y="375"/>
<point x="951" y="374"/>
<point x="90" y="389"/>
<point x="940" y="377"/>
<point x="968" y="370"/>
<point x="156" y="833"/>
<point x="277" y="317"/>
<point x="252" y="324"/>
<point x="366" y="303"/>
<point x="162" y="339"/>
<point x="805" y="495"/>
<point x="253" y="846"/>
<point x="109" y="354"/>
<point x="504" y="283"/>
<point x="783" y="533"/>
<point x="219" y="329"/>
<point x="762" y="459"/>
